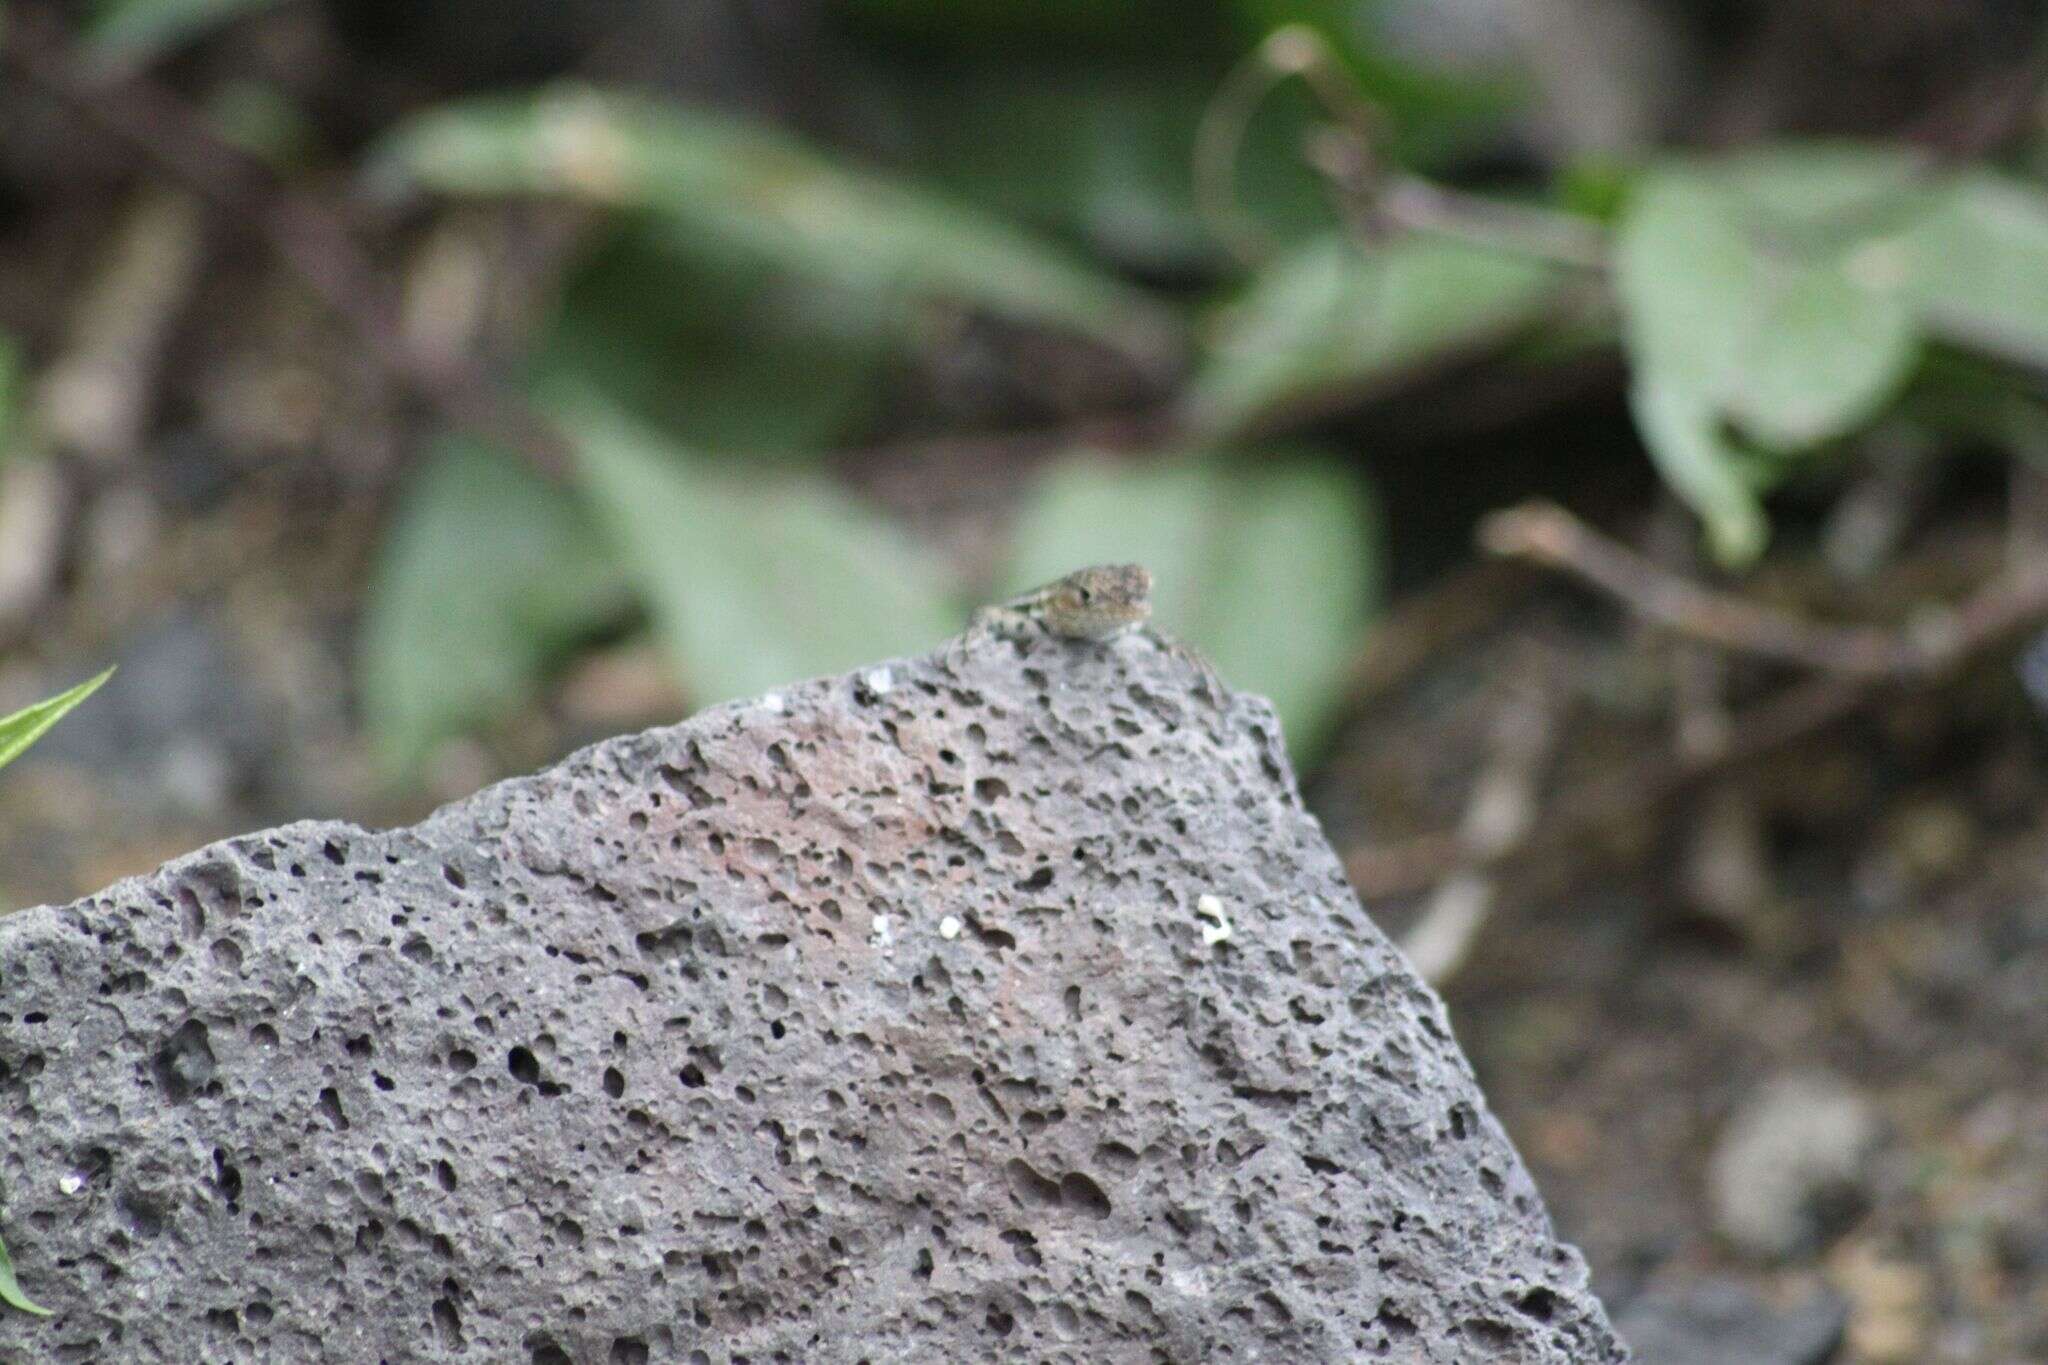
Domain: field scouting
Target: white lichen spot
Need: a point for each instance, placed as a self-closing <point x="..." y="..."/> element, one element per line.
<point x="949" y="927"/>
<point x="71" y="1184"/>
<point x="772" y="702"/>
<point x="879" y="681"/>
<point x="882" y="933"/>
<point x="1218" y="929"/>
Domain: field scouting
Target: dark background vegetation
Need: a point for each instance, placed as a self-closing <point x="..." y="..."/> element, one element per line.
<point x="402" y="394"/>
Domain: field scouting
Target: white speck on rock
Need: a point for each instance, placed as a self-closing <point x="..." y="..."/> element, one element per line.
<point x="1219" y="930"/>
<point x="949" y="927"/>
<point x="71" y="1184"/>
<point x="878" y="681"/>
<point x="882" y="933"/>
<point x="773" y="702"/>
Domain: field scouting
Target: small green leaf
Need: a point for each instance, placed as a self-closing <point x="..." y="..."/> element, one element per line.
<point x="486" y="576"/>
<point x="130" y="33"/>
<point x="753" y="583"/>
<point x="1701" y="465"/>
<point x="27" y="725"/>
<point x="1329" y="319"/>
<point x="722" y="184"/>
<point x="10" y="1288"/>
<point x="1270" y="566"/>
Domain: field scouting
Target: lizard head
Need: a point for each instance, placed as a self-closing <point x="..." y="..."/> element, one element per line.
<point x="1097" y="602"/>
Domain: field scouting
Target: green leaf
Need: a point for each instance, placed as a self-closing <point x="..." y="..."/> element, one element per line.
<point x="27" y="725"/>
<point x="1968" y="251"/>
<point x="1694" y="456"/>
<point x="1751" y="302"/>
<point x="130" y="33"/>
<point x="731" y="358"/>
<point x="753" y="583"/>
<point x="1270" y="566"/>
<point x="487" y="575"/>
<point x="724" y="184"/>
<point x="1976" y="266"/>
<point x="10" y="1288"/>
<point x="1784" y="339"/>
<point x="1329" y="319"/>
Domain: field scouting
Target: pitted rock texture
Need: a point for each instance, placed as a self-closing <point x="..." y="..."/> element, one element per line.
<point x="886" y="1019"/>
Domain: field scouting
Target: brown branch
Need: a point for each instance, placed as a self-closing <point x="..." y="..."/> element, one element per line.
<point x="1549" y="535"/>
<point x="1380" y="202"/>
<point x="306" y="236"/>
<point x="1858" y="667"/>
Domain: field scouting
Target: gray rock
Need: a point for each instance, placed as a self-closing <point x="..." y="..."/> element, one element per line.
<point x="1721" y="1322"/>
<point x="1002" y="1007"/>
<point x="1789" y="1169"/>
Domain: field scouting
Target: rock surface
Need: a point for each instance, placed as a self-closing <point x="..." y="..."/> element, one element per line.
<point x="1723" y="1322"/>
<point x="1004" y="1005"/>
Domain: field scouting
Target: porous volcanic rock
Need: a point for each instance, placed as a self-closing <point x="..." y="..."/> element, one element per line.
<point x="1004" y="1004"/>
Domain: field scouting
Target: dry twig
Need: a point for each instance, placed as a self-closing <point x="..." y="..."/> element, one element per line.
<point x="1932" y="643"/>
<point x="1856" y="666"/>
<point x="1377" y="198"/>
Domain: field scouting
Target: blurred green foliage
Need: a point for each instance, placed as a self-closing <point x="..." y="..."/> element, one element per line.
<point x="751" y="581"/>
<point x="726" y="352"/>
<point x="721" y="185"/>
<point x="1770" y="304"/>
<point x="743" y="311"/>
<point x="750" y="297"/>
<point x="1779" y="299"/>
<point x="1326" y="320"/>
<point x="1096" y="152"/>
<point x="488" y="576"/>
